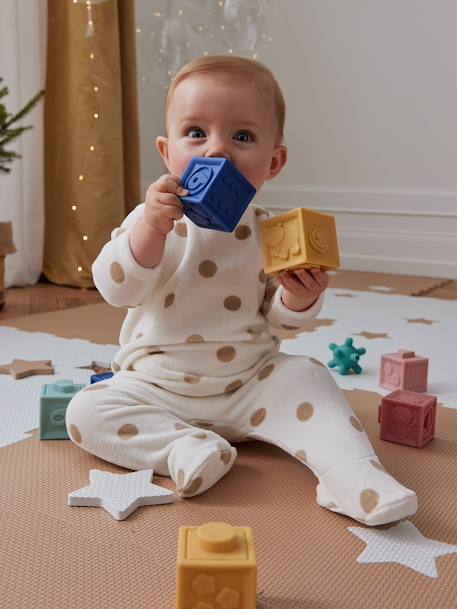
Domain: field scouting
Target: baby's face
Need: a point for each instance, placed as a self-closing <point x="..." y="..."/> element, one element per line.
<point x="218" y="117"/>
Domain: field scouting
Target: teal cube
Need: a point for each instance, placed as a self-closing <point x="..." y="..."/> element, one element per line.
<point x="54" y="399"/>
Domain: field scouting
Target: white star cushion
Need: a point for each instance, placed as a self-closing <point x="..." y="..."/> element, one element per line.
<point x="120" y="494"/>
<point x="402" y="544"/>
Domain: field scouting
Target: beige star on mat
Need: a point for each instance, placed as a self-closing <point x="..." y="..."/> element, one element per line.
<point x="97" y="367"/>
<point x="421" y="320"/>
<point x="317" y="323"/>
<point x="402" y="544"/>
<point x="120" y="494"/>
<point x="20" y="368"/>
<point x="371" y="335"/>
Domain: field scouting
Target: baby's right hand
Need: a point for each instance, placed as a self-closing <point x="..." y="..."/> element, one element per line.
<point x="162" y="206"/>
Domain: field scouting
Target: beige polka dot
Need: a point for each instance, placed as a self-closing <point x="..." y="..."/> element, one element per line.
<point x="139" y="335"/>
<point x="369" y="500"/>
<point x="269" y="292"/>
<point x="301" y="456"/>
<point x="258" y="417"/>
<point x="305" y="411"/>
<point x="226" y="456"/>
<point x="192" y="379"/>
<point x="233" y="386"/>
<point x="127" y="431"/>
<point x="75" y="433"/>
<point x="195" y="338"/>
<point x="317" y="362"/>
<point x="96" y="386"/>
<point x="169" y="300"/>
<point x="207" y="268"/>
<point x="378" y="466"/>
<point x="262" y="276"/>
<point x="180" y="479"/>
<point x="180" y="426"/>
<point x="226" y="354"/>
<point x="200" y="435"/>
<point x="193" y="487"/>
<point x="232" y="303"/>
<point x="115" y="367"/>
<point x="117" y="272"/>
<point x="205" y="424"/>
<point x="266" y="371"/>
<point x="154" y="350"/>
<point x="181" y="229"/>
<point x="286" y="327"/>
<point x="356" y="424"/>
<point x="242" y="231"/>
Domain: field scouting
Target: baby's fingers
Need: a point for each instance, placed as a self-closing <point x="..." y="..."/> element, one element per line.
<point x="170" y="184"/>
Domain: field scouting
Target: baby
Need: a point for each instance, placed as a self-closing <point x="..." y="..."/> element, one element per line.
<point x="198" y="367"/>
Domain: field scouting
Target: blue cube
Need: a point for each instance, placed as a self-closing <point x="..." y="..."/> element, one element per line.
<point x="95" y="378"/>
<point x="218" y="193"/>
<point x="54" y="400"/>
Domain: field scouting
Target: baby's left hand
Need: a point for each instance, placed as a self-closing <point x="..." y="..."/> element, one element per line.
<point x="302" y="287"/>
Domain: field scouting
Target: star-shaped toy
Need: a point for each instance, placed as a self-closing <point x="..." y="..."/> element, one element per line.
<point x="120" y="494"/>
<point x="20" y="368"/>
<point x="97" y="367"/>
<point x="421" y="320"/>
<point x="371" y="335"/>
<point x="402" y="544"/>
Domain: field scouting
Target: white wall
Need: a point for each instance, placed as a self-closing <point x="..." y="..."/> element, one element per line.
<point x="371" y="90"/>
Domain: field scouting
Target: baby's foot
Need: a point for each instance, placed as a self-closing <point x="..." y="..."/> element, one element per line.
<point x="365" y="491"/>
<point x="198" y="461"/>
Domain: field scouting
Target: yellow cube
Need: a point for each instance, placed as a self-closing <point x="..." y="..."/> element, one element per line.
<point x="216" y="567"/>
<point x="300" y="238"/>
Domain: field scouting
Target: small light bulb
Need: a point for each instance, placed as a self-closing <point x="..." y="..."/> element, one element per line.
<point x="73" y="207"/>
<point x="91" y="148"/>
<point x="80" y="268"/>
<point x="138" y="30"/>
<point x="85" y="237"/>
<point x="180" y="12"/>
<point x="222" y="27"/>
<point x="230" y="51"/>
<point x="91" y="55"/>
<point x="81" y="178"/>
<point x="95" y="114"/>
<point x="95" y="88"/>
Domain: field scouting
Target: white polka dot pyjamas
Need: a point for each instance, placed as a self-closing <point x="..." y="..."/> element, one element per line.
<point x="290" y="401"/>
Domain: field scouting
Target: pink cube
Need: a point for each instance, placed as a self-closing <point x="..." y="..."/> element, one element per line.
<point x="404" y="370"/>
<point x="407" y="417"/>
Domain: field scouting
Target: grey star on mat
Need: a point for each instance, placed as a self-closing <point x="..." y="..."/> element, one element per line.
<point x="421" y="320"/>
<point x="120" y="494"/>
<point x="402" y="544"/>
<point x="371" y="335"/>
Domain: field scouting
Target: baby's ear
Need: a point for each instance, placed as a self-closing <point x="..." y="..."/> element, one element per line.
<point x="162" y="147"/>
<point x="278" y="160"/>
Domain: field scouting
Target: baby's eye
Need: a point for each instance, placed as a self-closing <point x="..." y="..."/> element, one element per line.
<point x="243" y="136"/>
<point x="195" y="133"/>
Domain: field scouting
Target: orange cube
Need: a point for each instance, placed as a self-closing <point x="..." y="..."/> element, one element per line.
<point x="216" y="567"/>
<point x="299" y="238"/>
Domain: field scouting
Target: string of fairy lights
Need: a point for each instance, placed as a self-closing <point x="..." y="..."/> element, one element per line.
<point x="166" y="40"/>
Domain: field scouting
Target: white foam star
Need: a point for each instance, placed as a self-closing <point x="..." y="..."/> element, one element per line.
<point x="402" y="544"/>
<point x="120" y="494"/>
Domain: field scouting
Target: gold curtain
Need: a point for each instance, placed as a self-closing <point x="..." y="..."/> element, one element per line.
<point x="92" y="166"/>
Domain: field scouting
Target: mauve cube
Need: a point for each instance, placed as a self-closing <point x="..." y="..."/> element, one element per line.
<point x="404" y="370"/>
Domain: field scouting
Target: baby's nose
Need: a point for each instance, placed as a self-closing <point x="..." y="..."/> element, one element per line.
<point x="218" y="149"/>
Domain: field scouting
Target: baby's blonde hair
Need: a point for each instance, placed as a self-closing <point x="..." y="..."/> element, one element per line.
<point x="234" y="66"/>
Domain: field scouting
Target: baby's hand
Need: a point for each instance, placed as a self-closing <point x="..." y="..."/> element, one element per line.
<point x="302" y="287"/>
<point x="162" y="206"/>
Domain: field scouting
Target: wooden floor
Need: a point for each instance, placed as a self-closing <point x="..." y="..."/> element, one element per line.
<point x="46" y="297"/>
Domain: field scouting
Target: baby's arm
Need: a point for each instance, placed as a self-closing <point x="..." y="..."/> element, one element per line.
<point x="128" y="266"/>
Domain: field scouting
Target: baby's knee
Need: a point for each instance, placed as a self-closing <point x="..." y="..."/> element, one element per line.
<point x="80" y="416"/>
